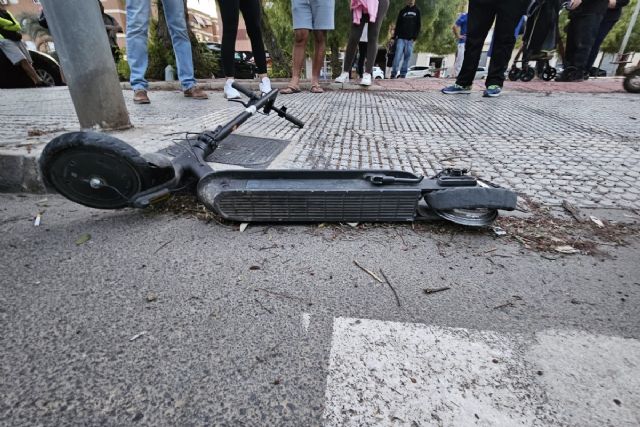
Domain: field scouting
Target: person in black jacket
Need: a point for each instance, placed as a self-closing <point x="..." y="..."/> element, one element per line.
<point x="585" y="17"/>
<point x="610" y="18"/>
<point x="407" y="30"/>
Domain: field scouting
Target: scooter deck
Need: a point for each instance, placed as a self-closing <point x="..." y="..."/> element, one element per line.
<point x="309" y="196"/>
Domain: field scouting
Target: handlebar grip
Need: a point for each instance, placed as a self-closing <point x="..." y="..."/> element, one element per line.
<point x="294" y="120"/>
<point x="237" y="86"/>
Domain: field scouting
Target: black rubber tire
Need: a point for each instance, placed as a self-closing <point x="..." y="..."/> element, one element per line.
<point x="514" y="74"/>
<point x="632" y="81"/>
<point x="472" y="198"/>
<point x="527" y="74"/>
<point x="104" y="146"/>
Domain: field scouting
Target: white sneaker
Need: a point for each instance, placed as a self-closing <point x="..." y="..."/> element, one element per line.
<point x="343" y="78"/>
<point x="366" y="80"/>
<point x="229" y="91"/>
<point x="265" y="85"/>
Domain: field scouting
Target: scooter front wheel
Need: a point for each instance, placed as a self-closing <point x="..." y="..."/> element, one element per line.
<point x="471" y="206"/>
<point x="94" y="169"/>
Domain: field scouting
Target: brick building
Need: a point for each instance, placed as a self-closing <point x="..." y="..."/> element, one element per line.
<point x="203" y="16"/>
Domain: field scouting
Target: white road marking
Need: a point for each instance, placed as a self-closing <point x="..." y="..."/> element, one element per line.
<point x="389" y="373"/>
<point x="306" y="321"/>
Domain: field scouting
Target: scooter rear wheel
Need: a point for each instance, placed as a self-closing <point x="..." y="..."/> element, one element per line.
<point x="94" y="169"/>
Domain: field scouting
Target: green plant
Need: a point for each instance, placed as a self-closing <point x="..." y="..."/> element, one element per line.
<point x="122" y="67"/>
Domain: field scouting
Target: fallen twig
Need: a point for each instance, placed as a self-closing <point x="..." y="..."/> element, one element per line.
<point x="430" y="291"/>
<point x="135" y="337"/>
<point x="395" y="294"/>
<point x="507" y="304"/>
<point x="163" y="245"/>
<point x="573" y="210"/>
<point x="263" y="307"/>
<point x="369" y="272"/>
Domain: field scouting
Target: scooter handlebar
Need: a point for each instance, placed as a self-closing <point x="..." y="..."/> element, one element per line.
<point x="237" y="86"/>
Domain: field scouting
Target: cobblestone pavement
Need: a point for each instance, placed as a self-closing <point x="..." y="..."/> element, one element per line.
<point x="583" y="147"/>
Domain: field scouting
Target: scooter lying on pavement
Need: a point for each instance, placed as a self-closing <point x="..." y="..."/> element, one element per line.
<point x="100" y="171"/>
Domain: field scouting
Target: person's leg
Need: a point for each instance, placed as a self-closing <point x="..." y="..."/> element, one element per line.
<point x="251" y="13"/>
<point x="603" y="31"/>
<point x="587" y="26"/>
<point x="229" y="12"/>
<point x="30" y="71"/>
<point x="302" y="24"/>
<point x="174" y="14"/>
<point x="373" y="31"/>
<point x="137" y="37"/>
<point x="362" y="55"/>
<point x="507" y="17"/>
<point x="399" y="55"/>
<point x="319" y="43"/>
<point x="300" y="42"/>
<point x="408" y="51"/>
<point x="352" y="46"/>
<point x="480" y="18"/>
<point x="459" y="57"/>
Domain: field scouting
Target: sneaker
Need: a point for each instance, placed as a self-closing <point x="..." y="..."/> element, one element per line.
<point x="230" y="92"/>
<point x="492" y="91"/>
<point x="265" y="85"/>
<point x="196" y="93"/>
<point x="366" y="80"/>
<point x="456" y="89"/>
<point x="140" y="97"/>
<point x="343" y="78"/>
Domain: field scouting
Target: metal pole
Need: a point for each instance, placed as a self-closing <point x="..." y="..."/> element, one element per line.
<point x="632" y="24"/>
<point x="83" y="48"/>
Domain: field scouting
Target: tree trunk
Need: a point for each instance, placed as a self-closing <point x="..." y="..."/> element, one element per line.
<point x="280" y="60"/>
<point x="162" y="30"/>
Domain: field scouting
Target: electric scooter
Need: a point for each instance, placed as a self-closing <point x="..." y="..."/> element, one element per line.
<point x="100" y="171"/>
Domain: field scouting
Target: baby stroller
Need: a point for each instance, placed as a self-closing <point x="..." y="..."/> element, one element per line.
<point x="541" y="35"/>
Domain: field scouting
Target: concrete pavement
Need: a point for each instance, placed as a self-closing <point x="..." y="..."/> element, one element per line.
<point x="159" y="318"/>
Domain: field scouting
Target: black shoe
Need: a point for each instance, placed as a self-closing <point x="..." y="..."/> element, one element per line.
<point x="570" y="74"/>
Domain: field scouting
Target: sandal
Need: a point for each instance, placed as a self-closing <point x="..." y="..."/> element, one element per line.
<point x="316" y="89"/>
<point x="290" y="90"/>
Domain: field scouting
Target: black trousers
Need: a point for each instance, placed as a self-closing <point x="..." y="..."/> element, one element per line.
<point x="482" y="14"/>
<point x="605" y="27"/>
<point x="584" y="23"/>
<point x="230" y="13"/>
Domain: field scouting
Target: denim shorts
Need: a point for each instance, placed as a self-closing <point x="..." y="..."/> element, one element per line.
<point x="313" y="14"/>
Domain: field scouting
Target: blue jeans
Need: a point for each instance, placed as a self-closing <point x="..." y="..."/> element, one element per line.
<point x="404" y="49"/>
<point x="138" y="12"/>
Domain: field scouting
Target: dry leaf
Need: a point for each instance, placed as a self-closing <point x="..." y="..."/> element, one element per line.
<point x="597" y="221"/>
<point x="83" y="239"/>
<point x="567" y="249"/>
